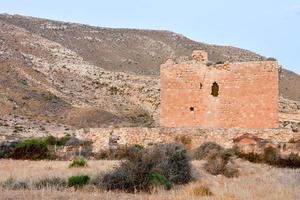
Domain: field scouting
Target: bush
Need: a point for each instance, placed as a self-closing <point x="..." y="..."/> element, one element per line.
<point x="78" y="181"/>
<point x="97" y="180"/>
<point x="12" y="184"/>
<point x="202" y="191"/>
<point x="121" y="152"/>
<point x="158" y="179"/>
<point x="221" y="163"/>
<point x="78" y="163"/>
<point x="272" y="157"/>
<point x="207" y="148"/>
<point x="159" y="164"/>
<point x="120" y="179"/>
<point x="292" y="161"/>
<point x="51" y="140"/>
<point x="252" y="157"/>
<point x="219" y="160"/>
<point x="53" y="183"/>
<point x="271" y="59"/>
<point x="31" y="149"/>
<point x="177" y="167"/>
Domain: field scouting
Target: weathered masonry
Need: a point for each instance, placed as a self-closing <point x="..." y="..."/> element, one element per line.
<point x="227" y="95"/>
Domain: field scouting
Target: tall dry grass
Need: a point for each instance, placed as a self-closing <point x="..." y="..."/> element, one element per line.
<point x="256" y="181"/>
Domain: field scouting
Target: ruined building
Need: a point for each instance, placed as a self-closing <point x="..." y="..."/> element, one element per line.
<point x="227" y="95"/>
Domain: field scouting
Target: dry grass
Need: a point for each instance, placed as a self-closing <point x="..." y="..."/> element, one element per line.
<point x="256" y="181"/>
<point x="34" y="170"/>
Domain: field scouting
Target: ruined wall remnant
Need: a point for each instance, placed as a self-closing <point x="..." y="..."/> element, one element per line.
<point x="227" y="95"/>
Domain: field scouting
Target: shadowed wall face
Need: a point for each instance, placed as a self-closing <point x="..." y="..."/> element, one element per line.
<point x="230" y="95"/>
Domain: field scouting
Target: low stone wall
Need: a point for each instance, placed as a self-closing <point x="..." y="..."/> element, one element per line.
<point x="107" y="138"/>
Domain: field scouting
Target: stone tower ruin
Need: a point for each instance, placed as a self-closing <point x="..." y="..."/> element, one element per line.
<point x="227" y="95"/>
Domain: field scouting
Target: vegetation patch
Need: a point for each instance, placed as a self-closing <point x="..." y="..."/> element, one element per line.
<point x="48" y="96"/>
<point x="205" y="149"/>
<point x="162" y="164"/>
<point x="31" y="149"/>
<point x="218" y="159"/>
<point x="52" y="183"/>
<point x="270" y="156"/>
<point x="158" y="179"/>
<point x="202" y="191"/>
<point x="51" y="140"/>
<point x="121" y="152"/>
<point x="78" y="181"/>
<point x="221" y="163"/>
<point x="12" y="184"/>
<point x="18" y="129"/>
<point x="78" y="163"/>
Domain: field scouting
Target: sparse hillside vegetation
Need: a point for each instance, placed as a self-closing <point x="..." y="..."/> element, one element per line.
<point x="119" y="88"/>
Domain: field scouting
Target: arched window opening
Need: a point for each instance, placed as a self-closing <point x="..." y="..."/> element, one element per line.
<point x="215" y="89"/>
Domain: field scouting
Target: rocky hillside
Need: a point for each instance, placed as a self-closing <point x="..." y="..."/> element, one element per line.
<point x="80" y="76"/>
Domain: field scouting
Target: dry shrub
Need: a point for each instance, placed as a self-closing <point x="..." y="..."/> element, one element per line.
<point x="207" y="148"/>
<point x="218" y="159"/>
<point x="270" y="156"/>
<point x="202" y="190"/>
<point x="221" y="163"/>
<point x="52" y="183"/>
<point x="97" y="180"/>
<point x="169" y="162"/>
<point x="122" y="152"/>
<point x="292" y="161"/>
<point x="12" y="184"/>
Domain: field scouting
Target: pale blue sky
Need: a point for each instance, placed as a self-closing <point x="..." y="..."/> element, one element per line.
<point x="268" y="27"/>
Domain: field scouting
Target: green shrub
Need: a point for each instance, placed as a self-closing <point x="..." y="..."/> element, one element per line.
<point x="78" y="163"/>
<point x="78" y="181"/>
<point x="31" y="149"/>
<point x="52" y="183"/>
<point x="158" y="179"/>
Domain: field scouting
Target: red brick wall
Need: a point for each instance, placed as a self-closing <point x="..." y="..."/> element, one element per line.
<point x="248" y="95"/>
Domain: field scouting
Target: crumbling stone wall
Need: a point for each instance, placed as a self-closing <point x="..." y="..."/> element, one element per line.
<point x="112" y="138"/>
<point x="227" y="95"/>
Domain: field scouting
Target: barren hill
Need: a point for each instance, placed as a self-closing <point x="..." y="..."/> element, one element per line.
<point x="83" y="76"/>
